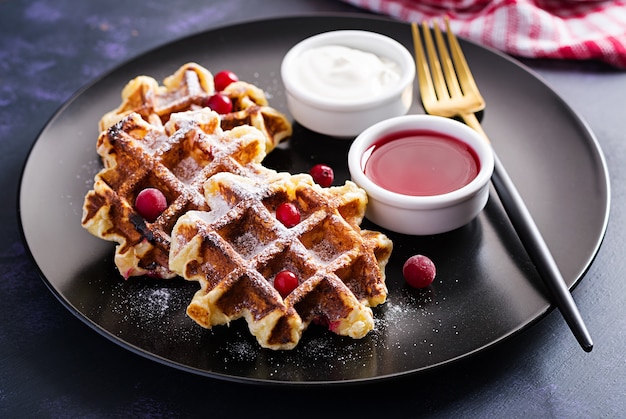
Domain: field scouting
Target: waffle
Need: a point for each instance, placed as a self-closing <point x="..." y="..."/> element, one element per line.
<point x="235" y="250"/>
<point x="176" y="158"/>
<point x="188" y="89"/>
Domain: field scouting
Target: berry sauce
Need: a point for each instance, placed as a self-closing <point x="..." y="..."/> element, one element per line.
<point x="420" y="163"/>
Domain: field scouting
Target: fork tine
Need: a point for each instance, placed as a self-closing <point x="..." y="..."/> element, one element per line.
<point x="427" y="90"/>
<point x="464" y="74"/>
<point x="435" y="66"/>
<point x="452" y="81"/>
<point x="446" y="85"/>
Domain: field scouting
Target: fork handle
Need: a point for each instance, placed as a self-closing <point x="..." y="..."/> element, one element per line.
<point x="535" y="245"/>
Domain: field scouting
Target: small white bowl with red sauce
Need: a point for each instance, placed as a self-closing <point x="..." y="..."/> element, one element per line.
<point x="338" y="83"/>
<point x="423" y="174"/>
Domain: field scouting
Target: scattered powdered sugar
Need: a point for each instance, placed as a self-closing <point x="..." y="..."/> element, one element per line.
<point x="319" y="349"/>
<point x="247" y="243"/>
<point x="145" y="305"/>
<point x="405" y="326"/>
<point x="88" y="170"/>
<point x="186" y="170"/>
<point x="157" y="301"/>
<point x="155" y="308"/>
<point x="84" y="174"/>
<point x="324" y="250"/>
<point x="241" y="351"/>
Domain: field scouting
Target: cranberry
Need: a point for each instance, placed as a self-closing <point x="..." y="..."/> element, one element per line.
<point x="322" y="175"/>
<point x="419" y="271"/>
<point x="150" y="203"/>
<point x="223" y="79"/>
<point x="285" y="282"/>
<point x="220" y="103"/>
<point x="288" y="214"/>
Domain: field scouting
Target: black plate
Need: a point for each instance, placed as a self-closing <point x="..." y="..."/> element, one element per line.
<point x="486" y="289"/>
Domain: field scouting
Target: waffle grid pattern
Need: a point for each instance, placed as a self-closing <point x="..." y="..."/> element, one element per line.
<point x="236" y="250"/>
<point x="177" y="160"/>
<point x="189" y="88"/>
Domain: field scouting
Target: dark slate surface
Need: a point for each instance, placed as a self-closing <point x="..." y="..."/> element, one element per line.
<point x="55" y="366"/>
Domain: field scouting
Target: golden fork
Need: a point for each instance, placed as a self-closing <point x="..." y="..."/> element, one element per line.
<point x="448" y="89"/>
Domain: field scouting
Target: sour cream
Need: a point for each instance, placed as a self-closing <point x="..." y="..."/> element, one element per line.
<point x="345" y="74"/>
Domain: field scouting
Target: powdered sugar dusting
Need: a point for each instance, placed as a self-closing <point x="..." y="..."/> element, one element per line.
<point x="241" y="351"/>
<point x="324" y="250"/>
<point x="145" y="305"/>
<point x="153" y="306"/>
<point x="247" y="244"/>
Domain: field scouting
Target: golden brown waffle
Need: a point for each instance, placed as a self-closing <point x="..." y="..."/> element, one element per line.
<point x="236" y="249"/>
<point x="177" y="159"/>
<point x="188" y="89"/>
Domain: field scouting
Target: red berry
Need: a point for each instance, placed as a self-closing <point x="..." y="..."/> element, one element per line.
<point x="322" y="175"/>
<point x="288" y="214"/>
<point x="220" y="103"/>
<point x="285" y="282"/>
<point x="150" y="203"/>
<point x="223" y="79"/>
<point x="419" y="271"/>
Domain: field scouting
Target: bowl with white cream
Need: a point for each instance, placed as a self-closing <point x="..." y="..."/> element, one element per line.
<point x="423" y="174"/>
<point x="339" y="83"/>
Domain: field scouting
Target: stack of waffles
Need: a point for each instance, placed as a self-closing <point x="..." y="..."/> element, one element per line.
<point x="189" y="88"/>
<point x="220" y="226"/>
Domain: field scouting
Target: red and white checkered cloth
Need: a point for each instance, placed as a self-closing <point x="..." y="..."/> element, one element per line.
<point x="565" y="29"/>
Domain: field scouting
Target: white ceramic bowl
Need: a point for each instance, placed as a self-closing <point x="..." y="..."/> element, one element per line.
<point x="422" y="215"/>
<point x="318" y="111"/>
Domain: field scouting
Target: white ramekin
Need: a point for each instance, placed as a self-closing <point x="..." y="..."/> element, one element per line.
<point x="340" y="118"/>
<point x="423" y="215"/>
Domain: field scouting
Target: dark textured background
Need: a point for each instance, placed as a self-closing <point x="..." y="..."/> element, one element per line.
<point x="52" y="365"/>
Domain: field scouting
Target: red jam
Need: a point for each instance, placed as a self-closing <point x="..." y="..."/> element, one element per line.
<point x="420" y="163"/>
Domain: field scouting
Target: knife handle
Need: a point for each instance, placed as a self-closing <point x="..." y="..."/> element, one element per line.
<point x="535" y="245"/>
